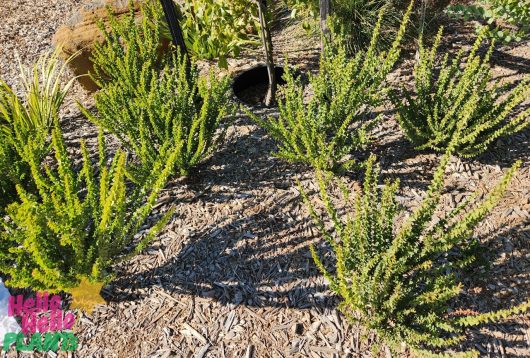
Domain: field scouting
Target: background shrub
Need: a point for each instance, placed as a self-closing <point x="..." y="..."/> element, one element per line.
<point x="505" y="20"/>
<point x="355" y="20"/>
<point x="29" y="116"/>
<point x="77" y="223"/>
<point x="155" y="110"/>
<point x="218" y="29"/>
<point x="399" y="282"/>
<point x="456" y="94"/>
<point x="212" y="30"/>
<point x="323" y="130"/>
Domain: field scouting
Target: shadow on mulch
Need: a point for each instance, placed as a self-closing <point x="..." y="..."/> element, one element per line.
<point x="245" y="162"/>
<point x="393" y="156"/>
<point x="501" y="58"/>
<point x="215" y="265"/>
<point x="499" y="280"/>
<point x="233" y="262"/>
<point x="505" y="151"/>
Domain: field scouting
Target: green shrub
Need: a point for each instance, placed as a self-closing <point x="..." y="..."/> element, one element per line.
<point x="129" y="47"/>
<point x="307" y="11"/>
<point x="505" y="20"/>
<point x="155" y="110"/>
<point x="399" y="282"/>
<point x="450" y="95"/>
<point x="78" y="223"/>
<point x="323" y="130"/>
<point x="28" y="117"/>
<point x="218" y="29"/>
<point x="355" y="20"/>
<point x="212" y="29"/>
<point x="171" y="111"/>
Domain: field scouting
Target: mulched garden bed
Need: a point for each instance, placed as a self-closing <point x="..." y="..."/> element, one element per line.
<point x="231" y="276"/>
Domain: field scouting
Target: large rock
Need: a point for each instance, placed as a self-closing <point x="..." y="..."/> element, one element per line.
<point x="81" y="32"/>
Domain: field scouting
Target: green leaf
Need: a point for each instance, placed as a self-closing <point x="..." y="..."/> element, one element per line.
<point x="223" y="63"/>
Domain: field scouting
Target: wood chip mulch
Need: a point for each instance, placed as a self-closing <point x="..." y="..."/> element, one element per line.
<point x="231" y="276"/>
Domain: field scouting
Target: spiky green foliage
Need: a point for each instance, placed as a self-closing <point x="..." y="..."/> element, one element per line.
<point x="79" y="222"/>
<point x="355" y="20"/>
<point x="129" y="46"/>
<point x="323" y="130"/>
<point x="155" y="110"/>
<point x="452" y="94"/>
<point x="172" y="111"/>
<point x="29" y="116"/>
<point x="399" y="281"/>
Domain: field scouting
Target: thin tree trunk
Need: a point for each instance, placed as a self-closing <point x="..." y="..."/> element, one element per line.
<point x="266" y="40"/>
<point x="173" y="21"/>
<point x="324" y="13"/>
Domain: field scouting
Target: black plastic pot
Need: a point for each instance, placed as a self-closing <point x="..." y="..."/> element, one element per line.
<point x="251" y="86"/>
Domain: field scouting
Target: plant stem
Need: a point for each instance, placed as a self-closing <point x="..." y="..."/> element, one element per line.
<point x="324" y="13"/>
<point x="173" y="21"/>
<point x="266" y="39"/>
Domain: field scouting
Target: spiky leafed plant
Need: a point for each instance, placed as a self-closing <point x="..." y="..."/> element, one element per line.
<point x="77" y="224"/>
<point x="129" y="45"/>
<point x="453" y="93"/>
<point x="172" y="111"/>
<point x="323" y="130"/>
<point x="29" y="116"/>
<point x="154" y="109"/>
<point x="399" y="281"/>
